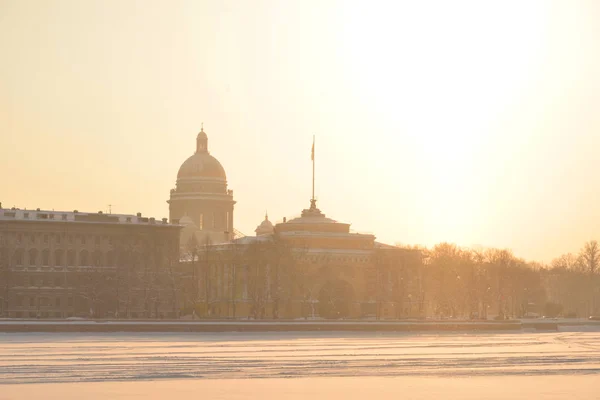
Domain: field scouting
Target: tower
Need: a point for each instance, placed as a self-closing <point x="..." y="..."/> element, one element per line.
<point x="201" y="195"/>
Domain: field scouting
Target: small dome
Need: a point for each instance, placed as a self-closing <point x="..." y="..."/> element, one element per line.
<point x="201" y="165"/>
<point x="186" y="220"/>
<point x="265" y="227"/>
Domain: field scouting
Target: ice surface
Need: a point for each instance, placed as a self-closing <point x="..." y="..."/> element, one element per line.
<point x="76" y="357"/>
<point x="111" y="365"/>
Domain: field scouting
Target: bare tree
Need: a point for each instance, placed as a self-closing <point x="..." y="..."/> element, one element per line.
<point x="208" y="261"/>
<point x="569" y="262"/>
<point x="173" y="276"/>
<point x="282" y="262"/>
<point x="95" y="286"/>
<point x="234" y="255"/>
<point x="193" y="290"/>
<point x="127" y="275"/>
<point x="258" y="268"/>
<point x="590" y="255"/>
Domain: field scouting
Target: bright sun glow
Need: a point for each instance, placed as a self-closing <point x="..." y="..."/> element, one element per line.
<point x="443" y="84"/>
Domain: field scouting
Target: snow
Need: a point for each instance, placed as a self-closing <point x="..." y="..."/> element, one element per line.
<point x="425" y="388"/>
<point x="446" y="365"/>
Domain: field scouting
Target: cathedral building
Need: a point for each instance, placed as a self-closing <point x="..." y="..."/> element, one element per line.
<point x="201" y="201"/>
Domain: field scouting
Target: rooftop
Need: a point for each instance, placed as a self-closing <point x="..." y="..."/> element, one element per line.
<point x="17" y="214"/>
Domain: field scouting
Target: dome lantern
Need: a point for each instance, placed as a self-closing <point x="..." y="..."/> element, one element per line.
<point x="202" y="141"/>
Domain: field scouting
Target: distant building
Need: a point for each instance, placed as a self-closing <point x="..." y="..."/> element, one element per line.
<point x="201" y="201"/>
<point x="56" y="264"/>
<point x="307" y="267"/>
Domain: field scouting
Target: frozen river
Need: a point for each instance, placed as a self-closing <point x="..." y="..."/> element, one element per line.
<point x="244" y="365"/>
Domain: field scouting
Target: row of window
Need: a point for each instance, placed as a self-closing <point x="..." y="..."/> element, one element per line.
<point x="33" y="301"/>
<point x="42" y="301"/>
<point x="72" y="258"/>
<point x="214" y="221"/>
<point x="317" y="259"/>
<point x="59" y="257"/>
<point x="26" y="215"/>
<point x="46" y="281"/>
<point x="61" y="238"/>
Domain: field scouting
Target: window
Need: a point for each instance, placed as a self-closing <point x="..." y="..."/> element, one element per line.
<point x="57" y="302"/>
<point x="57" y="281"/>
<point x="32" y="238"/>
<point x="64" y="217"/>
<point x="82" y="239"/>
<point x="71" y="258"/>
<point x="70" y="302"/>
<point x="20" y="301"/>
<point x="33" y="255"/>
<point x="46" y="239"/>
<point x="83" y="258"/>
<point x="25" y="281"/>
<point x="46" y="257"/>
<point x="26" y="215"/>
<point x="58" y="258"/>
<point x="97" y="258"/>
<point x="57" y="239"/>
<point x="19" y="257"/>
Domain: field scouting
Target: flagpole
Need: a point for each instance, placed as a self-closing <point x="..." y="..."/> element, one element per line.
<point x="313" y="165"/>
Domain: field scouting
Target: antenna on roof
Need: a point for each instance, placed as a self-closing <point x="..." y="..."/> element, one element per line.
<point x="110" y="208"/>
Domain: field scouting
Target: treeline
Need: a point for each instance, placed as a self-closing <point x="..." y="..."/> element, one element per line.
<point x="466" y="283"/>
<point x="268" y="279"/>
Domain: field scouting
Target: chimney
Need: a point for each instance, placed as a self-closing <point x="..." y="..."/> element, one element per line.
<point x="284" y="220"/>
<point x="139" y="215"/>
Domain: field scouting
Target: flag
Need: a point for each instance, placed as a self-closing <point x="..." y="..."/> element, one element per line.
<point x="312" y="153"/>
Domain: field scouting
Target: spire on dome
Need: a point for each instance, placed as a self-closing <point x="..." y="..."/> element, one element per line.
<point x="202" y="141"/>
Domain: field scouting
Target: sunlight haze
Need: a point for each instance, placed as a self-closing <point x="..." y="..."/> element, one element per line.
<point x="475" y="123"/>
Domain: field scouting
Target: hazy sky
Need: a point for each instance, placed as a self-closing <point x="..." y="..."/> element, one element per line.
<point x="471" y="122"/>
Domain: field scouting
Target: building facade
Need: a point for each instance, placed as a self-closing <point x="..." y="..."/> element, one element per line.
<point x="201" y="200"/>
<point x="307" y="267"/>
<point x="75" y="264"/>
